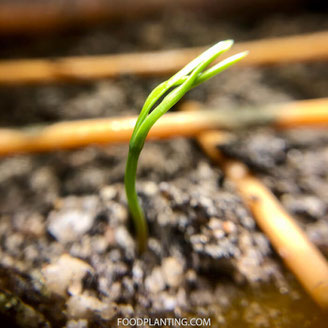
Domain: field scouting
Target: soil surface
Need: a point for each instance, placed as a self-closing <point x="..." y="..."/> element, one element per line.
<point x="67" y="249"/>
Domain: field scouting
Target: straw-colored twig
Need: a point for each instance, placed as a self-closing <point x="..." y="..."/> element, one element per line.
<point x="37" y="16"/>
<point x="290" y="242"/>
<point x="21" y="16"/>
<point x="67" y="135"/>
<point x="74" y="134"/>
<point x="300" y="48"/>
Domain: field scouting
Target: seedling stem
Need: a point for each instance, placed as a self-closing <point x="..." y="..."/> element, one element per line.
<point x="171" y="91"/>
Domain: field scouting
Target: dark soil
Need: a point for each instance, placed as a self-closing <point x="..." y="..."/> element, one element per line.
<point x="67" y="251"/>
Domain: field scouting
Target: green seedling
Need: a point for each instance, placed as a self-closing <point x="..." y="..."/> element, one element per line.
<point x="170" y="91"/>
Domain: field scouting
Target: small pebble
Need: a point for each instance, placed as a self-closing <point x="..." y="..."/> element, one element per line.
<point x="69" y="225"/>
<point x="84" y="306"/>
<point x="65" y="275"/>
<point x="154" y="283"/>
<point x="229" y="227"/>
<point x="172" y="271"/>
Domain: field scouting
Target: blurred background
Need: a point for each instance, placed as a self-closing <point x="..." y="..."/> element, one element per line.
<point x="62" y="20"/>
<point x="42" y="29"/>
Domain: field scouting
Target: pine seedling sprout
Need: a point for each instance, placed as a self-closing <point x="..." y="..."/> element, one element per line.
<point x="170" y="91"/>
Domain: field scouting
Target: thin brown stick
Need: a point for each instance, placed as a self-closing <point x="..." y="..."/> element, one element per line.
<point x="290" y="242"/>
<point x="37" y="16"/>
<point x="313" y="112"/>
<point x="17" y="16"/>
<point x="301" y="48"/>
<point x="74" y="134"/>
